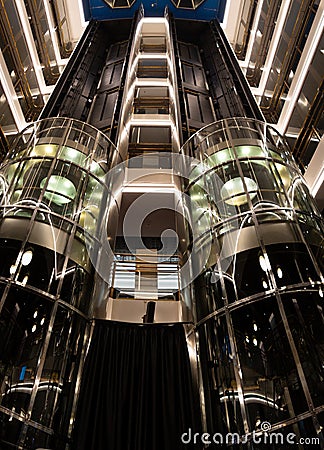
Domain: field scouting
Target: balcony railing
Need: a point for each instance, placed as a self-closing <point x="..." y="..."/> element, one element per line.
<point x="151" y="105"/>
<point x="138" y="148"/>
<point x="151" y="70"/>
<point x="153" y="44"/>
<point x="146" y="277"/>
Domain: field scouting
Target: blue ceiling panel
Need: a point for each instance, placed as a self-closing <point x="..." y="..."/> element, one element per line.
<point x="208" y="10"/>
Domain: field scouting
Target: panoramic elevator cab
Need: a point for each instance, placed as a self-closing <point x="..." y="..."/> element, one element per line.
<point x="162" y="255"/>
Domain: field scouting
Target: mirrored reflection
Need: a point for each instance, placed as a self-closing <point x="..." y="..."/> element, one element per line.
<point x="304" y="312"/>
<point x="38" y="381"/>
<point x="10" y="430"/>
<point x="268" y="375"/>
<point x="44" y="269"/>
<point x="35" y="435"/>
<point x="261" y="341"/>
<point x="76" y="287"/>
<point x="24" y="319"/>
<point x="55" y="392"/>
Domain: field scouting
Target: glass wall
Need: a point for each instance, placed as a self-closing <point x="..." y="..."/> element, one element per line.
<point x="259" y="303"/>
<point x="52" y="186"/>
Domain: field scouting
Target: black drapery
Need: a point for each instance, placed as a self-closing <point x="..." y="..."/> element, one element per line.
<point x="136" y="391"/>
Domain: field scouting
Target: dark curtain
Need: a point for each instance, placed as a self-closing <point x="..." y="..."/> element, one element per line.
<point x="136" y="391"/>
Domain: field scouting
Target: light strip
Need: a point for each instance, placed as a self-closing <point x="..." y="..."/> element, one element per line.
<point x="82" y="15"/>
<point x="309" y="50"/>
<point x="314" y="175"/>
<point x="318" y="182"/>
<point x="232" y="17"/>
<point x="149" y="188"/>
<point x="52" y="32"/>
<point x="153" y="20"/>
<point x="282" y="16"/>
<point x="152" y="55"/>
<point x="151" y="121"/>
<point x="248" y="398"/>
<point x="30" y="40"/>
<point x="253" y="32"/>
<point x="152" y="82"/>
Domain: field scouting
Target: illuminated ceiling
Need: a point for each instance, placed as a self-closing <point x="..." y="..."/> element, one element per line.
<point x="182" y="9"/>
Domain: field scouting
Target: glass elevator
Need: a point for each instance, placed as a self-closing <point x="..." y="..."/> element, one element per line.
<point x="162" y="258"/>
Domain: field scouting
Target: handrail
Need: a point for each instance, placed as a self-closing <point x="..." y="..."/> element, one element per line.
<point x="131" y="279"/>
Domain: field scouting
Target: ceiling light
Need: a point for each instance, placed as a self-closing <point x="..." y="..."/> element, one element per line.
<point x="279" y="272"/>
<point x="223" y="155"/>
<point x="59" y="190"/>
<point x="245" y="150"/>
<point x="235" y="190"/>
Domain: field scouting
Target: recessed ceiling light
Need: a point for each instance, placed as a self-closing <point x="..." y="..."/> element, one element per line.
<point x="59" y="190"/>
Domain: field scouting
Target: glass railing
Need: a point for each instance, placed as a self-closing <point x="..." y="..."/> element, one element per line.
<point x="58" y="167"/>
<point x="145" y="276"/>
<point x="245" y="164"/>
<point x="151" y="105"/>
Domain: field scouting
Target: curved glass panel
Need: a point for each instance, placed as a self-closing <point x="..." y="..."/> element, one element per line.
<point x="261" y="294"/>
<point x="57" y="165"/>
<point x="53" y="196"/>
